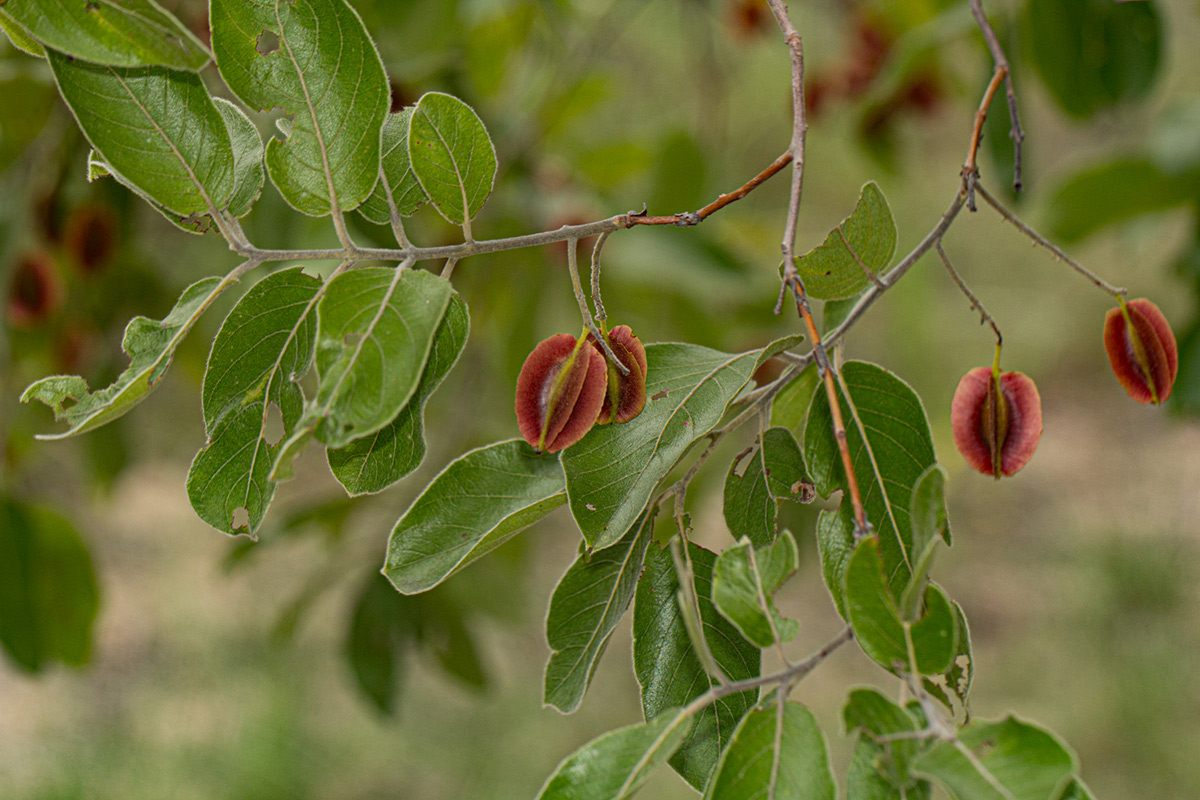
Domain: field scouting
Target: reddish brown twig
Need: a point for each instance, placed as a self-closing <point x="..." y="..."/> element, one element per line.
<point x="993" y="44"/>
<point x="689" y="218"/>
<point x="970" y="170"/>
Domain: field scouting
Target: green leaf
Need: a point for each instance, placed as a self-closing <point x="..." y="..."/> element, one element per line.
<point x="902" y="449"/>
<point x="789" y="753"/>
<point x="120" y="33"/>
<point x="375" y="331"/>
<point x="479" y="501"/>
<point x="739" y="581"/>
<point x="1027" y="761"/>
<point x="774" y="471"/>
<point x="451" y="155"/>
<point x="382" y="628"/>
<point x="588" y="602"/>
<point x="883" y="724"/>
<point x="20" y="37"/>
<point x="1093" y="54"/>
<point x="263" y="349"/>
<point x="789" y="409"/>
<point x="865" y="240"/>
<point x="150" y="345"/>
<point x="396" y="178"/>
<point x="1104" y="195"/>
<point x="374" y="462"/>
<point x="249" y="174"/>
<point x="670" y="673"/>
<point x="613" y="471"/>
<point x="325" y="73"/>
<point x="158" y="128"/>
<point x="195" y="223"/>
<point x="387" y="626"/>
<point x="1077" y="791"/>
<point x="615" y="765"/>
<point x="48" y="592"/>
<point x="881" y="631"/>
<point x="929" y="526"/>
<point x="864" y="780"/>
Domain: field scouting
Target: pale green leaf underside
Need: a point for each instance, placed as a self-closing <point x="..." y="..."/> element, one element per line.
<point x="881" y="720"/>
<point x="20" y="37"/>
<point x="374" y="462"/>
<point x="478" y="502"/>
<point x="150" y="345"/>
<point x="587" y="604"/>
<point x="376" y="328"/>
<point x="451" y="155"/>
<point x="613" y="766"/>
<point x="157" y="127"/>
<point x="800" y="763"/>
<point x="900" y="441"/>
<point x="120" y="33"/>
<point x="670" y="673"/>
<point x="612" y="472"/>
<point x="249" y="174"/>
<point x="739" y="581"/>
<point x="1028" y="762"/>
<point x="327" y="74"/>
<point x="879" y="627"/>
<point x="397" y="178"/>
<point x="263" y="348"/>
<point x="865" y="240"/>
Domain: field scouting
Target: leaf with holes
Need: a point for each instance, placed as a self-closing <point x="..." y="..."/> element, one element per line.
<point x="128" y="33"/>
<point x="249" y="174"/>
<point x="668" y="669"/>
<point x="158" y="128"/>
<point x="375" y="331"/>
<point x="1010" y="760"/>
<point x="613" y="471"/>
<point x="397" y="183"/>
<point x="787" y="752"/>
<point x="613" y="766"/>
<point x="863" y="243"/>
<point x="742" y="585"/>
<point x="773" y="471"/>
<point x="150" y="345"/>
<point x="897" y="450"/>
<point x="374" y="462"/>
<point x="451" y="155"/>
<point x="263" y="349"/>
<point x="588" y="602"/>
<point x="477" y="503"/>
<point x="315" y="61"/>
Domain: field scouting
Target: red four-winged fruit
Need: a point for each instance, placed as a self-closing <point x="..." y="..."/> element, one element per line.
<point x="997" y="421"/>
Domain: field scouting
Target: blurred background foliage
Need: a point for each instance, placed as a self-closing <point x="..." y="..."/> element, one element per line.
<point x="288" y="668"/>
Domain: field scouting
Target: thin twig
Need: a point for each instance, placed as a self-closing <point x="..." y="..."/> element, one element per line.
<point x="993" y="42"/>
<point x="448" y="268"/>
<point x="691" y="218"/>
<point x="970" y="170"/>
<point x="1115" y="291"/>
<point x="586" y="313"/>
<point x="976" y="305"/>
<point x="601" y="315"/>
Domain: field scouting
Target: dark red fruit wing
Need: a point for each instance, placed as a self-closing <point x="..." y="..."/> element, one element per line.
<point x="1122" y="354"/>
<point x="588" y="400"/>
<point x="1024" y="421"/>
<point x="629" y="397"/>
<point x="1165" y="335"/>
<point x="535" y="383"/>
<point x="966" y="419"/>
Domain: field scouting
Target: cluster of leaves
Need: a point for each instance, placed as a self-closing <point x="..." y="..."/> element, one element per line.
<point x="379" y="341"/>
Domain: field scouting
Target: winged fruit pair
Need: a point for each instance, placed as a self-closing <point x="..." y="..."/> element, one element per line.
<point x="997" y="417"/>
<point x="567" y="385"/>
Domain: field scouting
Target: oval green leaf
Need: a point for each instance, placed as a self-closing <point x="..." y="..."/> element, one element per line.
<point x="479" y="501"/>
<point x="451" y="156"/>
<point x="782" y="747"/>
<point x="861" y="246"/>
